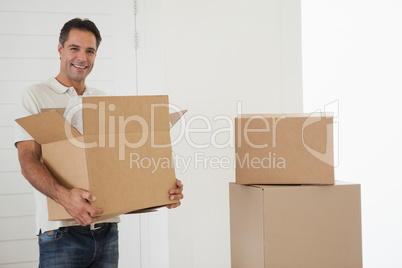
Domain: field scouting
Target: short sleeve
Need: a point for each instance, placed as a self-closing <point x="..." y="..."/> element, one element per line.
<point x="27" y="106"/>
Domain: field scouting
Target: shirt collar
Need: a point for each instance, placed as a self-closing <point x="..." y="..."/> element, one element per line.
<point x="61" y="89"/>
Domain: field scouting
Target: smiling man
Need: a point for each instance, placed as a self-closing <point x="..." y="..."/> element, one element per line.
<point x="77" y="55"/>
<point x="84" y="241"/>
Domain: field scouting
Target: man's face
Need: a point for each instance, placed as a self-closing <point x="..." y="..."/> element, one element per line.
<point x="77" y="57"/>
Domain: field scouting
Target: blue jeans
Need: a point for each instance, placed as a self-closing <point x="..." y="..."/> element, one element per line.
<point x="75" y="247"/>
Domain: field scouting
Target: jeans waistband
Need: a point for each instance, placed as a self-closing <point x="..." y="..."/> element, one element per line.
<point x="91" y="227"/>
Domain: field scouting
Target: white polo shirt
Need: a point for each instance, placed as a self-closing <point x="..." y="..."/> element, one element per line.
<point x="49" y="94"/>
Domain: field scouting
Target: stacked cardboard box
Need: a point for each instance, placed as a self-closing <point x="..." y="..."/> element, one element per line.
<point x="286" y="210"/>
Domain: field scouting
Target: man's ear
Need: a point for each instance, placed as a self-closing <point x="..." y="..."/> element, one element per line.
<point x="59" y="48"/>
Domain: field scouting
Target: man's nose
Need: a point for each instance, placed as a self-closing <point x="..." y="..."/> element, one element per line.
<point x="82" y="55"/>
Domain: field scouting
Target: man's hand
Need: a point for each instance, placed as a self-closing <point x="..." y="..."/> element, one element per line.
<point x="77" y="203"/>
<point x="176" y="194"/>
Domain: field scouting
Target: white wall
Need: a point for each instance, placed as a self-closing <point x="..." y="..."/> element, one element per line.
<point x="207" y="55"/>
<point x="352" y="55"/>
<point x="29" y="36"/>
<point x="216" y="53"/>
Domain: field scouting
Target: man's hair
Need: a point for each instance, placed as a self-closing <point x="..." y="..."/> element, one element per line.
<point x="80" y="24"/>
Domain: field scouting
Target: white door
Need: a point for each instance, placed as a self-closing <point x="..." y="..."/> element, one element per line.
<point x="28" y="39"/>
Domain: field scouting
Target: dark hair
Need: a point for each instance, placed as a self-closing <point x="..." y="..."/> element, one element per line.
<point x="80" y="24"/>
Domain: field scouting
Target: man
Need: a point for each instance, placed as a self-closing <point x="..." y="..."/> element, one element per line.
<point x="64" y="243"/>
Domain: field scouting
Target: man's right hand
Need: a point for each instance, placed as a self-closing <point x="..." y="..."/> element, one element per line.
<point x="77" y="204"/>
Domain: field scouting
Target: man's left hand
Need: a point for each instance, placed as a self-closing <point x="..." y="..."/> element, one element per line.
<point x="176" y="194"/>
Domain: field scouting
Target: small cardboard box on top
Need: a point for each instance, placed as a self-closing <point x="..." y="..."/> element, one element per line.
<point x="284" y="149"/>
<point x="124" y="156"/>
<point x="311" y="226"/>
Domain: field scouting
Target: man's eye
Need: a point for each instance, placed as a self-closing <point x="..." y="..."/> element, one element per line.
<point x="74" y="48"/>
<point x="91" y="52"/>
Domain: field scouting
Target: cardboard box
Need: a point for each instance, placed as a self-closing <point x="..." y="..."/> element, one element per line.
<point x="284" y="149"/>
<point x="124" y="156"/>
<point x="295" y="226"/>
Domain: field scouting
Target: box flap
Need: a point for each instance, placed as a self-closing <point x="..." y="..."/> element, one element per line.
<point x="60" y="110"/>
<point x="72" y="173"/>
<point x="128" y="114"/>
<point x="174" y="117"/>
<point x="48" y="127"/>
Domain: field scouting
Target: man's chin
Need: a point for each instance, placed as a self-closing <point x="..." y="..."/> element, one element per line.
<point x="78" y="77"/>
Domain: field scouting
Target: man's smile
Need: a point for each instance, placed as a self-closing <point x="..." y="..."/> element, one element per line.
<point x="79" y="66"/>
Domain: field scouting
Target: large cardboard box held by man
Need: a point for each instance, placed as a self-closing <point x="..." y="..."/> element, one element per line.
<point x="295" y="226"/>
<point x="284" y="149"/>
<point x="124" y="156"/>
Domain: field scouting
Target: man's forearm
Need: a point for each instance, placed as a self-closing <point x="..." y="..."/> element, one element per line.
<point x="40" y="178"/>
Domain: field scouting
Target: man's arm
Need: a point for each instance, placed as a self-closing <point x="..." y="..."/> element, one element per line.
<point x="75" y="201"/>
